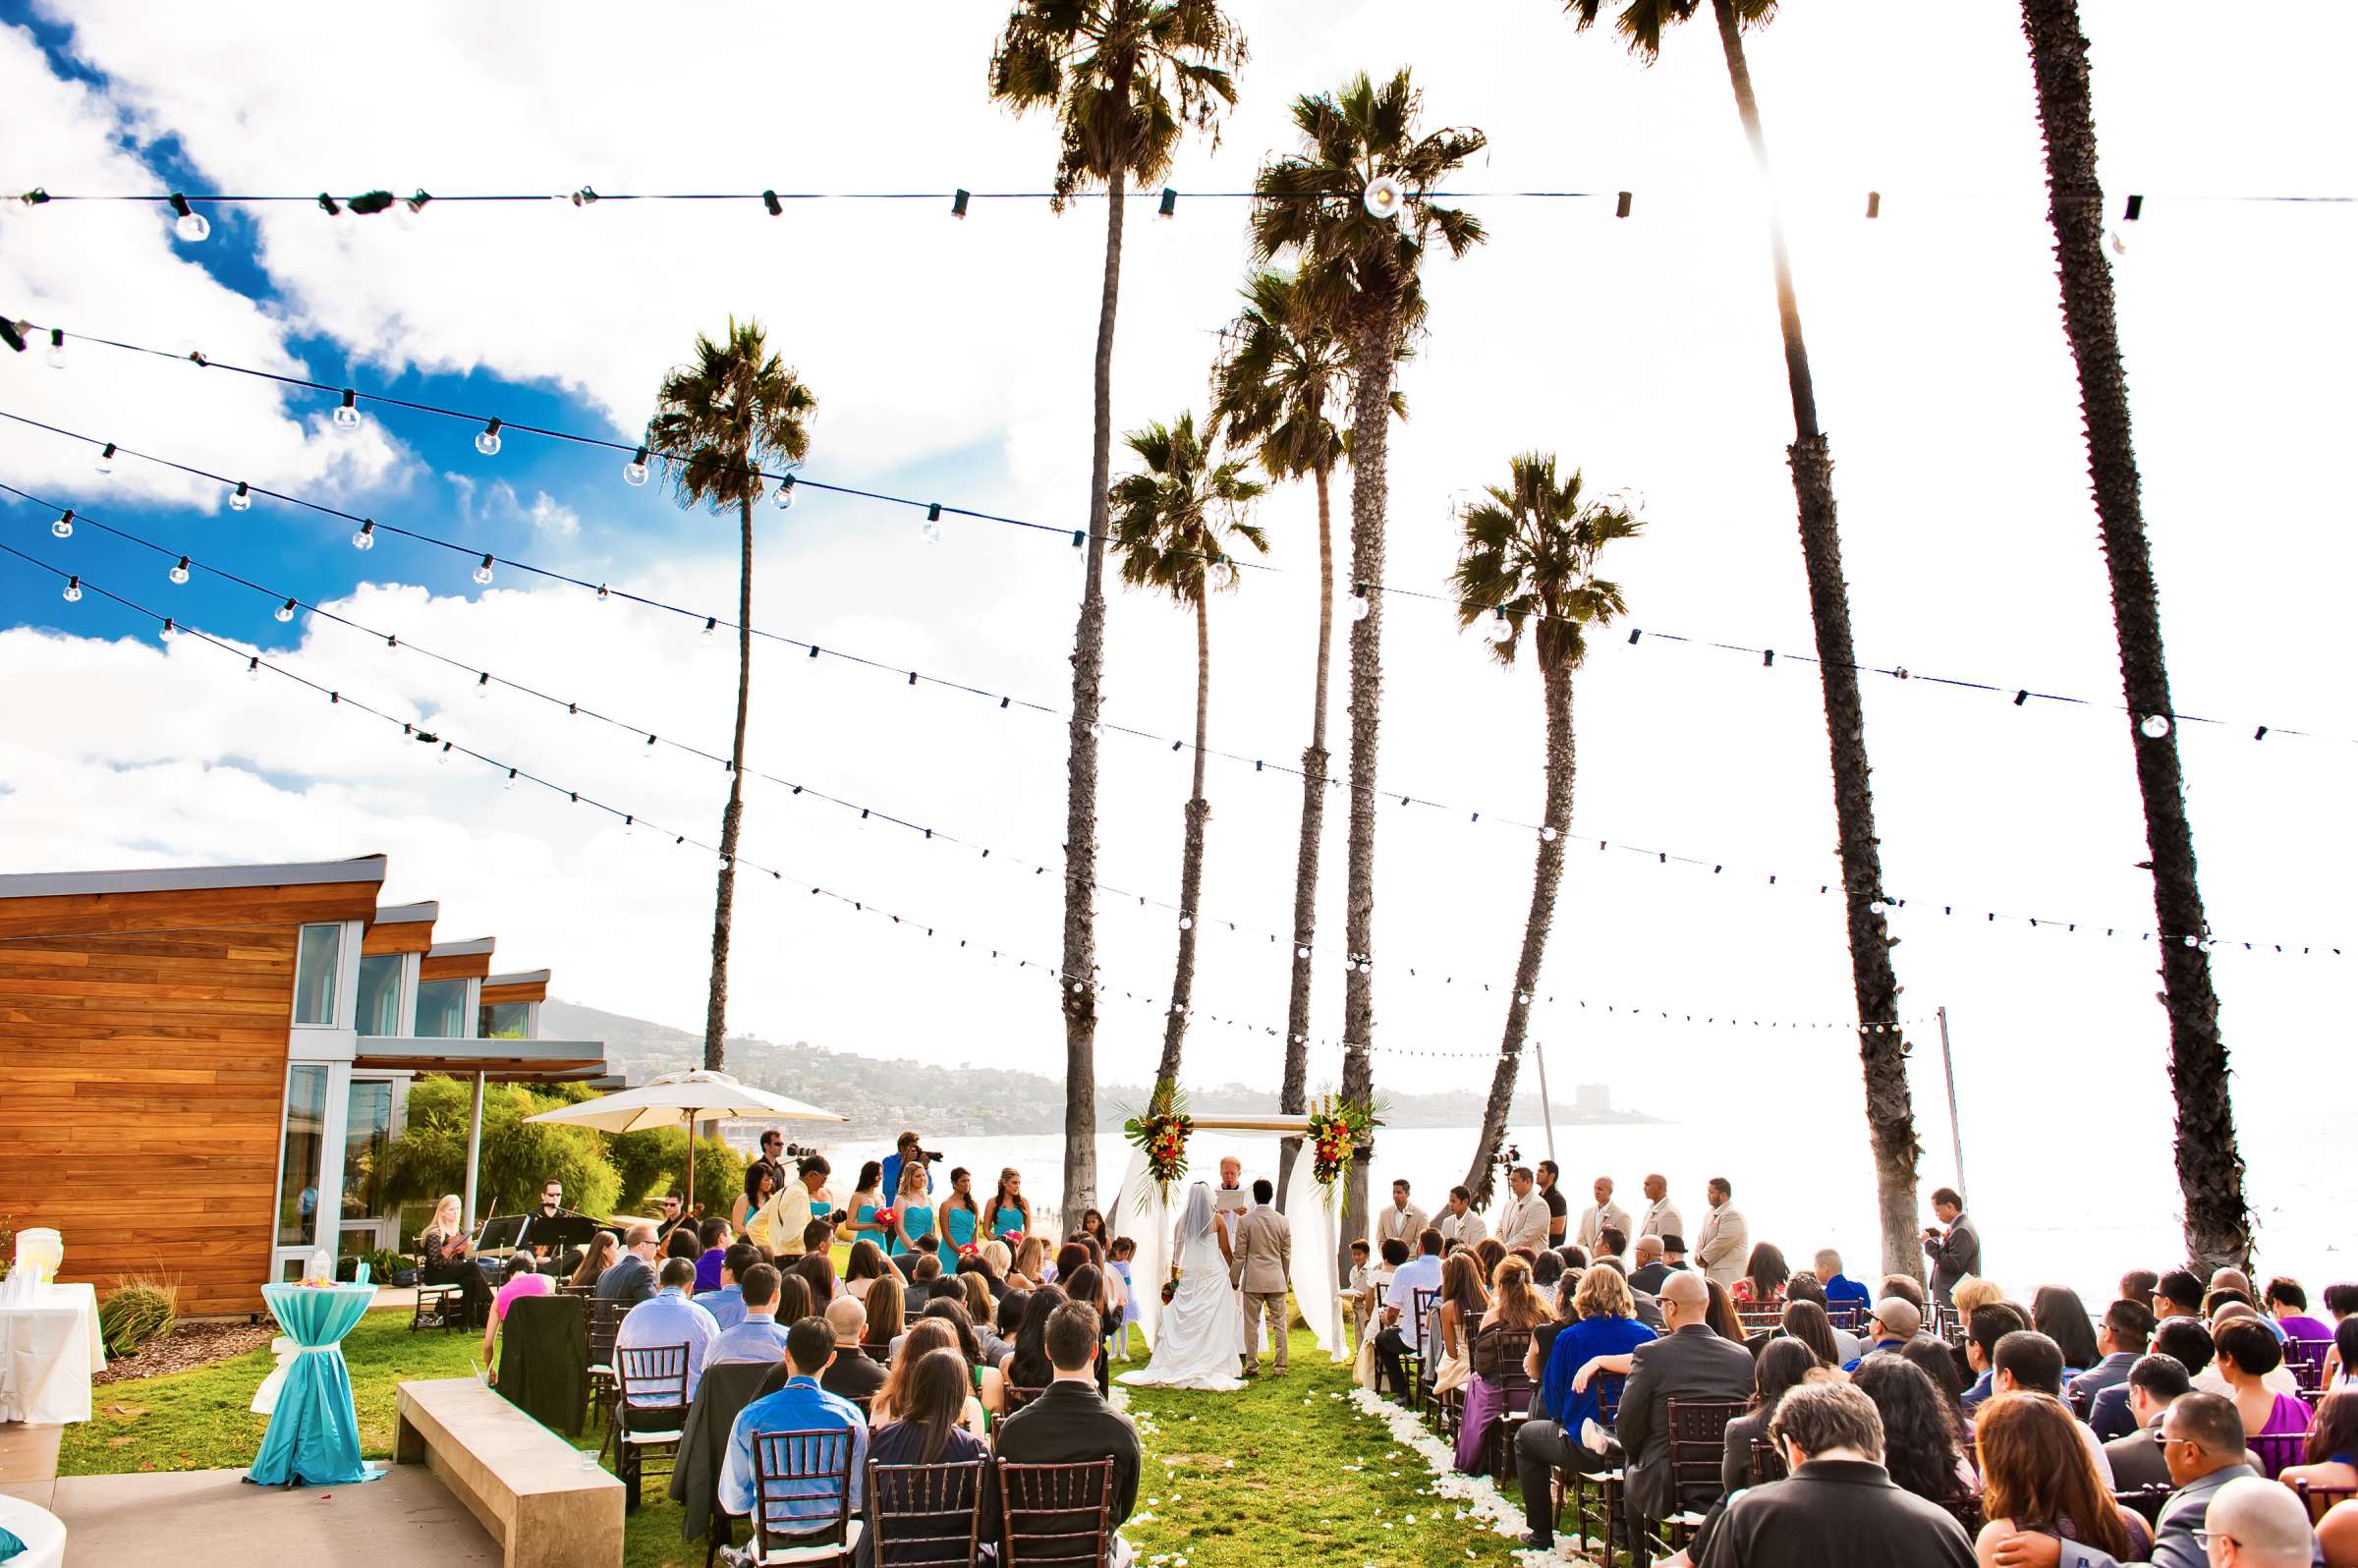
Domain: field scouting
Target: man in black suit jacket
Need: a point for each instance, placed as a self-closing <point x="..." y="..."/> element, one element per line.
<point x="854" y="1373"/>
<point x="632" y="1277"/>
<point x="2156" y="1383"/>
<point x="1839" y="1505"/>
<point x="1690" y="1363"/>
<point x="1957" y="1251"/>
<point x="1070" y="1423"/>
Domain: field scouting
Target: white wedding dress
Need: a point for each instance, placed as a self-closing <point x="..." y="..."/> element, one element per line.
<point x="1201" y="1341"/>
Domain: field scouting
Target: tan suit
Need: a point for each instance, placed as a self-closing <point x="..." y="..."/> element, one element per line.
<point x="1725" y="1247"/>
<point x="1263" y="1267"/>
<point x="1592" y="1223"/>
<point x="1406" y="1223"/>
<point x="1522" y="1222"/>
<point x="1661" y="1219"/>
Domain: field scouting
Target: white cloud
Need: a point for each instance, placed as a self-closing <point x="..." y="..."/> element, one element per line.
<point x="552" y="520"/>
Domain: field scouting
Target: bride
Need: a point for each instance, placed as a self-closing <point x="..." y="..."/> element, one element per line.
<point x="1201" y="1343"/>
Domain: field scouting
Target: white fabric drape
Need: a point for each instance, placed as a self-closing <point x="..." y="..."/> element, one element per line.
<point x="1142" y="1213"/>
<point x="1314" y="1213"/>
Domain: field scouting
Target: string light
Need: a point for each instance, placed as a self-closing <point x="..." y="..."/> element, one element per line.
<point x="2154" y="726"/>
<point x="347" y="416"/>
<point x="284" y="613"/>
<point x="241" y="498"/>
<point x="483" y="572"/>
<point x="364" y="537"/>
<point x="105" y="461"/>
<point x="486" y="440"/>
<point x="63" y="528"/>
<point x="55" y="355"/>
<point x="179" y="574"/>
<point x="931" y="526"/>
<point x="187" y="222"/>
<point x="72" y="591"/>
<point x="1385" y="199"/>
<point x="634" y="472"/>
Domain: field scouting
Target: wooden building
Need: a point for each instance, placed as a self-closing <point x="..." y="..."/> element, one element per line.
<point x="201" y="1068"/>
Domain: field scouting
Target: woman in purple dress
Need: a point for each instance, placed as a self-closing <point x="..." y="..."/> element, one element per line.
<point x="1516" y="1311"/>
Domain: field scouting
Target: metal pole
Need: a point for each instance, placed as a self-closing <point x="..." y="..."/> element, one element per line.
<point x="1948" y="1072"/>
<point x="1547" y="1116"/>
<point x="474" y="1148"/>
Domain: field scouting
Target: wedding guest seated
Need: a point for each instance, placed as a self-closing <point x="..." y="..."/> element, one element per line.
<point x="669" y="1317"/>
<point x="1611" y="1243"/>
<point x="2279" y="1379"/>
<point x="1462" y="1302"/>
<point x="680" y="1241"/>
<point x="1690" y="1363"/>
<point x="531" y="1282"/>
<point x="631" y="1277"/>
<point x="2156" y="1383"/>
<point x="1421" y="1272"/>
<point x="1838" y="1505"/>
<point x="757" y="1335"/>
<point x="1071" y="1423"/>
<point x="2341" y="1362"/>
<point x="726" y="1301"/>
<point x="2289" y="1304"/>
<point x="2125" y="1334"/>
<point x="800" y="1405"/>
<point x="1806" y="1288"/>
<point x="2252" y="1523"/>
<point x="1805" y="1322"/>
<point x="1763" y="1283"/>
<point x="1896" y="1321"/>
<point x="2202" y="1443"/>
<point x="2057" y="1312"/>
<point x="851" y="1375"/>
<point x="2137" y="1285"/>
<point x="1650" y="1272"/>
<point x="2341" y="1304"/>
<point x="1983" y="1330"/>
<point x="1567" y="1399"/>
<point x="600" y="1255"/>
<point x="928" y="1428"/>
<point x="1924" y="1437"/>
<point x="2037" y="1480"/>
<point x="1908" y="1289"/>
<point x="1973" y="1292"/>
<point x="925" y="1335"/>
<point x="2184" y="1340"/>
<point x="2178" y="1294"/>
<point x="1489" y="1253"/>
<point x="865" y="1267"/>
<point x="819" y="1236"/>
<point x="2332" y="1459"/>
<point x="1547" y="1272"/>
<point x="2028" y="1363"/>
<point x="887" y="1320"/>
<point x="2247" y="1353"/>
<point x="712" y="1238"/>
<point x="1932" y="1358"/>
<point x="922" y="1281"/>
<point x="1784" y="1364"/>
<point x="1029" y="1268"/>
<point x="1720" y="1311"/>
<point x="981" y="1310"/>
<point x="990" y="1388"/>
<point x="819" y="1273"/>
<point x="793" y="1298"/>
<point x="1028" y="1366"/>
<point x="1840" y="1289"/>
<point x="1500" y="1350"/>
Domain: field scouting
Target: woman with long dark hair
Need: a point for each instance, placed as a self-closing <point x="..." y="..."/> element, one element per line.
<point x="1463" y="1300"/>
<point x="604" y="1248"/>
<point x="866" y="1265"/>
<point x="867" y="1197"/>
<point x="1784" y="1364"/>
<point x="1806" y="1321"/>
<point x="961" y="1218"/>
<point x="1763" y="1283"/>
<point x="1028" y="1364"/>
<point x="886" y="1320"/>
<point x="925" y="1335"/>
<point x="1722" y="1314"/>
<point x="2037" y="1478"/>
<point x="1923" y="1449"/>
<point x="1500" y="1344"/>
<point x="1008" y="1208"/>
<point x="793" y="1298"/>
<point x="991" y="1389"/>
<point x="760" y="1182"/>
<point x="2333" y="1455"/>
<point x="927" y="1425"/>
<point x="2057" y="1312"/>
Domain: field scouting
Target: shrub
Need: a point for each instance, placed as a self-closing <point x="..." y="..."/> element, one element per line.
<point x="139" y="1311"/>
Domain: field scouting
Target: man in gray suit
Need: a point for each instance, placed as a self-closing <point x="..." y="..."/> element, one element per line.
<point x="1956" y="1254"/>
<point x="1264" y="1265"/>
<point x="1689" y="1363"/>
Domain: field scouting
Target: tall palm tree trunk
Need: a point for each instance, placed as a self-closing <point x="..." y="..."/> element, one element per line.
<point x="1556" y="690"/>
<point x="2209" y="1169"/>
<point x="1191" y="858"/>
<point x="1081" y="768"/>
<point x="1882" y="1055"/>
<point x="724" y="898"/>
<point x="1293" y="1097"/>
<point x="1371" y="437"/>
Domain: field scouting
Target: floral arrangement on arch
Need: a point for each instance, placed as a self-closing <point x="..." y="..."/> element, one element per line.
<point x="1161" y="1132"/>
<point x="1337" y="1130"/>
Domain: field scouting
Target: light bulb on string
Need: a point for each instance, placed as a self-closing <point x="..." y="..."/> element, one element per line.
<point x="2154" y="726"/>
<point x="347" y="417"/>
<point x="63" y="528"/>
<point x="254" y="667"/>
<point x="187" y="222"/>
<point x="786" y="487"/>
<point x="482" y="571"/>
<point x="486" y="440"/>
<point x="931" y="526"/>
<point x="711" y="635"/>
<point x="511" y="783"/>
<point x="1187" y="922"/>
<point x="1385" y="199"/>
<point x="1301" y="952"/>
<point x="56" y="356"/>
<point x="104" y="463"/>
<point x="1501" y="630"/>
<point x="1360" y="605"/>
<point x="634" y="472"/>
<point x="72" y="591"/>
<point x="365" y="536"/>
<point x="444" y="757"/>
<point x="1547" y="832"/>
<point x="604" y="593"/>
<point x="179" y="573"/>
<point x="649" y="750"/>
<point x="284" y="613"/>
<point x="483" y="686"/>
<point x="240" y="498"/>
<point x="171" y="630"/>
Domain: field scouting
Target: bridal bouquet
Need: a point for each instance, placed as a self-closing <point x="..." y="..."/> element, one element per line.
<point x="886" y="1218"/>
<point x="1170" y="1287"/>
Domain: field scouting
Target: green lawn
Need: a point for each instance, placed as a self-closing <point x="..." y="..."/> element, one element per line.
<point x="1284" y="1472"/>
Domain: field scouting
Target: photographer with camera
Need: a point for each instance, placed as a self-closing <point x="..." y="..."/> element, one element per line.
<point x="776" y="1227"/>
<point x="906" y="1153"/>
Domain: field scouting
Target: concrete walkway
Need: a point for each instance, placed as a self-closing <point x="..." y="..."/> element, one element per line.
<point x="28" y="1461"/>
<point x="406" y="1517"/>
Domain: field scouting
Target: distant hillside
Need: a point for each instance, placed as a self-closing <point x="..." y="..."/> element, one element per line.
<point x="881" y="1097"/>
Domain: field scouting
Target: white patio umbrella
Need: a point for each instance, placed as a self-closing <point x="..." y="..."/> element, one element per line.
<point x="682" y="1100"/>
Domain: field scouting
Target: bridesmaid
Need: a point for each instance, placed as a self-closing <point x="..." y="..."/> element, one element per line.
<point x="865" y="1201"/>
<point x="961" y="1220"/>
<point x="1008" y="1209"/>
<point x="913" y="1218"/>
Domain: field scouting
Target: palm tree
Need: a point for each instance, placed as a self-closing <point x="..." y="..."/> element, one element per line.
<point x="1354" y="206"/>
<point x="1172" y="523"/>
<point x="2219" y="1230"/>
<point x="721" y="419"/>
<point x="1890" y="1113"/>
<point x="1122" y="78"/>
<point x="1285" y="367"/>
<point x="1528" y="564"/>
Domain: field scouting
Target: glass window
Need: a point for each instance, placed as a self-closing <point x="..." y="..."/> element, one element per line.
<point x="318" y="953"/>
<point x="505" y="1021"/>
<point x="442" y="1010"/>
<point x="299" y="1156"/>
<point x="379" y="1010"/>
<point x="367" y="1135"/>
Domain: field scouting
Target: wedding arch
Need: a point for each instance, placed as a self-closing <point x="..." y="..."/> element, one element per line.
<point x="1147" y="1211"/>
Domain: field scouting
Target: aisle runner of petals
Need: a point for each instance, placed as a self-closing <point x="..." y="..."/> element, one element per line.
<point x="1476" y="1497"/>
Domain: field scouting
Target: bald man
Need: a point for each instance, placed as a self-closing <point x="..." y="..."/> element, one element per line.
<point x="2259" y="1524"/>
<point x="1688" y="1363"/>
<point x="1896" y="1321"/>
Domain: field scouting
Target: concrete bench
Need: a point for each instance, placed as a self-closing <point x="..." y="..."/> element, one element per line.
<point x="526" y="1484"/>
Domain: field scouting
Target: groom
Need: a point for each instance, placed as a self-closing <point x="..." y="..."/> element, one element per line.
<point x="1264" y="1268"/>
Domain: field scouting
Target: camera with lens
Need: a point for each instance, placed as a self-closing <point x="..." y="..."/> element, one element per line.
<point x="928" y="1156"/>
<point x="800" y="1152"/>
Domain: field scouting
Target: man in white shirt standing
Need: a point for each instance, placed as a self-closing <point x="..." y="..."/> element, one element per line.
<point x="1522" y="1222"/>
<point x="1459" y="1225"/>
<point x="1402" y="1219"/>
<point x="1725" y="1245"/>
<point x="1661" y="1216"/>
<point x="1421" y="1272"/>
<point x="1604" y="1211"/>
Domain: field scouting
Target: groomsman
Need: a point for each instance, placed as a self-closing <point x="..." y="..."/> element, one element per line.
<point x="1459" y="1225"/>
<point x="1400" y="1218"/>
<point x="1522" y="1222"/>
<point x="1661" y="1216"/>
<point x="1264" y="1262"/>
<point x="1602" y="1213"/>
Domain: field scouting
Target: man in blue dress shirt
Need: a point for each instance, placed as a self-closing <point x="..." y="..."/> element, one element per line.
<point x="668" y="1317"/>
<point x="800" y="1405"/>
<point x="727" y="1304"/>
<point x="758" y="1335"/>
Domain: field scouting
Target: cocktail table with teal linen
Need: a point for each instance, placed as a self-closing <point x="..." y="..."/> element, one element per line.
<point x="315" y="1435"/>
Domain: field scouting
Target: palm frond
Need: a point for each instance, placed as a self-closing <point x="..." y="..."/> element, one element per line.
<point x="1528" y="553"/>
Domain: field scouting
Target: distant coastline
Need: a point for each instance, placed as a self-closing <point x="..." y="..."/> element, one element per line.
<point x="880" y="1096"/>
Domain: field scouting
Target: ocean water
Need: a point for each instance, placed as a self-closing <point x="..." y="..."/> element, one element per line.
<point x="2042" y="1220"/>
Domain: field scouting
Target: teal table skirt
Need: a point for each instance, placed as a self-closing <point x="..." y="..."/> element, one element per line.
<point x="315" y="1435"/>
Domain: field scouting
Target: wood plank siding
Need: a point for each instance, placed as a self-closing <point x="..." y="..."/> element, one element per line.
<point x="402" y="936"/>
<point x="536" y="991"/>
<point x="143" y="1077"/>
<point x="454" y="965"/>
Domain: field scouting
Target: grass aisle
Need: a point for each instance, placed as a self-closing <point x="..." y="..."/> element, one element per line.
<point x="1290" y="1472"/>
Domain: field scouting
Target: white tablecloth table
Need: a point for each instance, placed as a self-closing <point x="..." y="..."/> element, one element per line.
<point x="43" y="1536"/>
<point x="49" y="1346"/>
